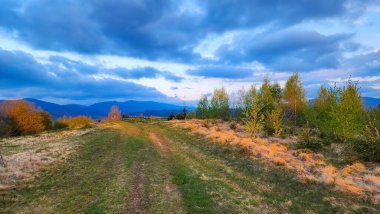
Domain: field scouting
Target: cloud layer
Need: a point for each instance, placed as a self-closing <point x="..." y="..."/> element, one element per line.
<point x="220" y="40"/>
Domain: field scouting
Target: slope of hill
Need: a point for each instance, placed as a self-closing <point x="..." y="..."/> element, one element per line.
<point x="57" y="111"/>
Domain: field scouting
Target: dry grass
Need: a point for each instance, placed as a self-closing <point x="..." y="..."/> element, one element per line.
<point x="26" y="156"/>
<point x="356" y="179"/>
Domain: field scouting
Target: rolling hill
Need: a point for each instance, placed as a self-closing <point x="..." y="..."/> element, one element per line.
<point x="100" y="110"/>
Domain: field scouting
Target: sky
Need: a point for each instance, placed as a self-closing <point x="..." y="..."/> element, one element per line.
<point x="70" y="51"/>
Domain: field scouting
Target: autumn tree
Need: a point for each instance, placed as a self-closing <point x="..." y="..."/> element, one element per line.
<point x="295" y="96"/>
<point x="202" y="111"/>
<point x="28" y="119"/>
<point x="114" y="114"/>
<point x="219" y="106"/>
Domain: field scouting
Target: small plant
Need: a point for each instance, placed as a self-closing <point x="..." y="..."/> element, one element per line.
<point x="233" y="126"/>
<point x="367" y="147"/>
<point x="206" y="124"/>
<point x="171" y="116"/>
<point x="60" y="124"/>
<point x="308" y="140"/>
<point x="2" y="161"/>
<point x="180" y="116"/>
<point x="274" y="122"/>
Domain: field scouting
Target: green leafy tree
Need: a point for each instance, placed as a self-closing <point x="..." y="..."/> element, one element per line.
<point x="219" y="106"/>
<point x="295" y="97"/>
<point x="202" y="111"/>
<point x="349" y="114"/>
<point x="323" y="106"/>
<point x="265" y="98"/>
<point x="246" y="98"/>
<point x="276" y="91"/>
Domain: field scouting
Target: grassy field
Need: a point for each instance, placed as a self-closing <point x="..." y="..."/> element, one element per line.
<point x="131" y="167"/>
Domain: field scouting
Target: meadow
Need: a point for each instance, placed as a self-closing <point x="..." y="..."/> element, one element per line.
<point x="170" y="167"/>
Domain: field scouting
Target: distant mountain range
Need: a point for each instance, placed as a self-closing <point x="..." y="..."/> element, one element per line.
<point x="133" y="108"/>
<point x="100" y="110"/>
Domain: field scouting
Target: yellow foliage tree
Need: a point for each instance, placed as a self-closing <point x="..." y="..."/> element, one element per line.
<point x="27" y="117"/>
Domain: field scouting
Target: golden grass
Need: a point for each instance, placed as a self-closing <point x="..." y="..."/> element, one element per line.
<point x="35" y="154"/>
<point x="355" y="179"/>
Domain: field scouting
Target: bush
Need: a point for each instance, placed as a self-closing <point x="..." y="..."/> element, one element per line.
<point x="60" y="124"/>
<point x="79" y="121"/>
<point x="309" y="140"/>
<point x="233" y="126"/>
<point x="206" y="124"/>
<point x="191" y="115"/>
<point x="8" y="127"/>
<point x="367" y="147"/>
<point x="273" y="125"/>
<point x="171" y="116"/>
<point x="180" y="116"/>
<point x="72" y="122"/>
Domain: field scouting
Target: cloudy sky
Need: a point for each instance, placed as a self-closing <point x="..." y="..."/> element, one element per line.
<point x="70" y="51"/>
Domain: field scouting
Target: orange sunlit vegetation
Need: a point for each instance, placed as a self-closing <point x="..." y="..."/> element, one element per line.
<point x="22" y="117"/>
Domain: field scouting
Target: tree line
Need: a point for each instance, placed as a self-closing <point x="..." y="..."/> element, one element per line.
<point x="336" y="115"/>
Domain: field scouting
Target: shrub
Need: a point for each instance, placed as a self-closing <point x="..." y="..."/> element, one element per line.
<point x="308" y="140"/>
<point x="8" y="126"/>
<point x="79" y="121"/>
<point x="274" y="124"/>
<point x="180" y="116"/>
<point x="171" y="116"/>
<point x="206" y="124"/>
<point x="233" y="126"/>
<point x="72" y="122"/>
<point x="366" y="147"/>
<point x="191" y="115"/>
<point x="60" y="124"/>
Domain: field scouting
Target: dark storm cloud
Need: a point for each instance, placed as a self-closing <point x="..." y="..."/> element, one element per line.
<point x="153" y="28"/>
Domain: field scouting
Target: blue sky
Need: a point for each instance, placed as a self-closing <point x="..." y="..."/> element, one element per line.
<point x="70" y="51"/>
